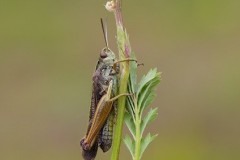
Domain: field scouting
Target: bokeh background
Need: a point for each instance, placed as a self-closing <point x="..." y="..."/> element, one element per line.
<point x="49" y="49"/>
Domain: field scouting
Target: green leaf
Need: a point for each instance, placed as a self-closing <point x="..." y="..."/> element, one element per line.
<point x="147" y="94"/>
<point x="130" y="106"/>
<point x="133" y="74"/>
<point x="132" y="84"/>
<point x="146" y="78"/>
<point x="150" y="116"/>
<point x="146" y="89"/>
<point x="130" y="124"/>
<point x="134" y="120"/>
<point x="145" y="142"/>
<point x="130" y="144"/>
<point x="148" y="100"/>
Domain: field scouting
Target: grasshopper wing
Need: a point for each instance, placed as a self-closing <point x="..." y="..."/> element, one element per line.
<point x="90" y="154"/>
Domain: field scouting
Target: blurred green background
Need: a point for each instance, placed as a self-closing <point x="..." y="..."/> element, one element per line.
<point x="49" y="49"/>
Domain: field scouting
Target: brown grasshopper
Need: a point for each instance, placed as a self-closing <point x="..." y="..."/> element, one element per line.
<point x="103" y="107"/>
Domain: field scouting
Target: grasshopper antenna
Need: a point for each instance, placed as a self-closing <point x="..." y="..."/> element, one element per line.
<point x="104" y="29"/>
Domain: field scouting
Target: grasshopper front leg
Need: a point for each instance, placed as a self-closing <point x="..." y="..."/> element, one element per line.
<point x="116" y="67"/>
<point x="126" y="60"/>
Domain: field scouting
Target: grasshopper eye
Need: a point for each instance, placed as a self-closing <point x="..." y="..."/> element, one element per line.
<point x="103" y="54"/>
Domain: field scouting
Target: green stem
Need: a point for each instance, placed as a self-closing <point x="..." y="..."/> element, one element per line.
<point x="120" y="117"/>
<point x="138" y="132"/>
<point x="124" y="50"/>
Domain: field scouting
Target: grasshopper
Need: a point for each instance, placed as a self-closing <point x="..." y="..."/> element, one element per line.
<point x="103" y="107"/>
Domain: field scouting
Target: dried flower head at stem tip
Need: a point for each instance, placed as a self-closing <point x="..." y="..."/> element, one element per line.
<point x="110" y="6"/>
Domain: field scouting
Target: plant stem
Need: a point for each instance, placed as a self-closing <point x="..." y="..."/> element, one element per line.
<point x="124" y="50"/>
<point x="138" y="132"/>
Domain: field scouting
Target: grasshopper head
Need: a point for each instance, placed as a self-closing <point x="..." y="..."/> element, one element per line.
<point x="107" y="55"/>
